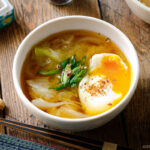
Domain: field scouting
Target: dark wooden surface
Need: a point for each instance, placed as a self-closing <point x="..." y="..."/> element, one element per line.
<point x="132" y="126"/>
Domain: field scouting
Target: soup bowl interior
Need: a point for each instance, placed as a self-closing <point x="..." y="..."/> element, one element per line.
<point x="76" y="23"/>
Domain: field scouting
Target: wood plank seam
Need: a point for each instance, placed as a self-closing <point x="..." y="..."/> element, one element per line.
<point x="100" y="9"/>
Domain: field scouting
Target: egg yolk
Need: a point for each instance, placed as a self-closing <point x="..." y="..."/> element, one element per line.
<point x="117" y="72"/>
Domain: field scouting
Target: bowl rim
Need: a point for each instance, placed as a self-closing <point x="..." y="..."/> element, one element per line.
<point x="140" y="4"/>
<point x="25" y="100"/>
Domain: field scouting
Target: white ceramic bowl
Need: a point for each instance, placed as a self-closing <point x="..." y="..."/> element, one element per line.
<point x="139" y="9"/>
<point x="75" y="23"/>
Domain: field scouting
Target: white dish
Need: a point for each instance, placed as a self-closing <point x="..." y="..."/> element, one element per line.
<point x="139" y="9"/>
<point x="75" y="23"/>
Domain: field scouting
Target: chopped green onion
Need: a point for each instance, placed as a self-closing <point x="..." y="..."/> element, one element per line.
<point x="58" y="88"/>
<point x="76" y="64"/>
<point x="78" y="77"/>
<point x="47" y="52"/>
<point x="75" y="80"/>
<point x="42" y="52"/>
<point x="73" y="60"/>
<point x="65" y="62"/>
<point x="83" y="60"/>
<point x="65" y="77"/>
<point x="76" y="70"/>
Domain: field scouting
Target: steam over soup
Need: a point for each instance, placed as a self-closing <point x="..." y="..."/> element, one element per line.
<point x="75" y="74"/>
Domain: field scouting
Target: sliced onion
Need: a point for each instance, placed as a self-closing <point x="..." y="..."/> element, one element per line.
<point x="90" y="39"/>
<point x="68" y="97"/>
<point x="44" y="104"/>
<point x="68" y="41"/>
<point x="39" y="88"/>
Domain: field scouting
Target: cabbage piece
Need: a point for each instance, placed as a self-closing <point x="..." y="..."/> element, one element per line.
<point x="69" y="96"/>
<point x="38" y="88"/>
<point x="45" y="105"/>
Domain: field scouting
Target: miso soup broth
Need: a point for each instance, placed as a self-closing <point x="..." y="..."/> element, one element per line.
<point x="75" y="74"/>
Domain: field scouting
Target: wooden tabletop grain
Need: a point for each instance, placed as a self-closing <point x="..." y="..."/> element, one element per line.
<point x="130" y="128"/>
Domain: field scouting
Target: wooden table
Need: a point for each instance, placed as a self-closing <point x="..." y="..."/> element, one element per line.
<point x="130" y="128"/>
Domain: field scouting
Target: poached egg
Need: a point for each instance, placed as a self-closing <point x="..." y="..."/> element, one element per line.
<point x="105" y="84"/>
